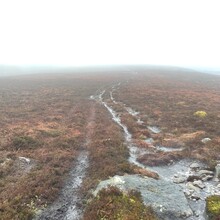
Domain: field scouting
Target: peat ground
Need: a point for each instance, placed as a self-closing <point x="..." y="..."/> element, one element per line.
<point x="44" y="126"/>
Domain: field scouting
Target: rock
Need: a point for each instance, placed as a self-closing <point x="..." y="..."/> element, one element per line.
<point x="217" y="171"/>
<point x="201" y="173"/>
<point x="167" y="199"/>
<point x="194" y="166"/>
<point x="216" y="179"/>
<point x="180" y="179"/>
<point x="205" y="175"/>
<point x="199" y="184"/>
<point x="139" y="121"/>
<point x="205" y="140"/>
<point x="208" y="177"/>
<point x="116" y="180"/>
<point x="196" y="214"/>
<point x="188" y="193"/>
<point x="190" y="186"/>
<point x="195" y="196"/>
<point x="24" y="159"/>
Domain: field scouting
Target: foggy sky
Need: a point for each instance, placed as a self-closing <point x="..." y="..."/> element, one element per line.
<point x="72" y="32"/>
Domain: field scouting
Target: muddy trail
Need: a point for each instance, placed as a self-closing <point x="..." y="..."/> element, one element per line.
<point x="188" y="197"/>
<point x="68" y="206"/>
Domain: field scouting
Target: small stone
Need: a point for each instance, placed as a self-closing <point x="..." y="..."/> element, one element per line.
<point x="216" y="179"/>
<point x="24" y="159"/>
<point x="199" y="184"/>
<point x="205" y="140"/>
<point x="187" y="193"/>
<point x="154" y="129"/>
<point x="194" y="166"/>
<point x="208" y="177"/>
<point x="196" y="214"/>
<point x="195" y="196"/>
<point x="205" y="172"/>
<point x="190" y="186"/>
<point x="117" y="180"/>
<point x="180" y="179"/>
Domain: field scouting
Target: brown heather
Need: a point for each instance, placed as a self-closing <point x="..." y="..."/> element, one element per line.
<point x="45" y="118"/>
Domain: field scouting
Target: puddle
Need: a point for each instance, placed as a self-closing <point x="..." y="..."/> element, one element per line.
<point x="113" y="100"/>
<point x="154" y="129"/>
<point x="162" y="148"/>
<point x="168" y="149"/>
<point x="131" y="111"/>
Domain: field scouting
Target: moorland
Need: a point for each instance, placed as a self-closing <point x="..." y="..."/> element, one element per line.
<point x="47" y="120"/>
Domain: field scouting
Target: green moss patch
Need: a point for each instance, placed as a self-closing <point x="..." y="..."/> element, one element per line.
<point x="24" y="142"/>
<point x="213" y="207"/>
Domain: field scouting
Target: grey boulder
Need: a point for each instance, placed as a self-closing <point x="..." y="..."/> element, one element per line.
<point x="166" y="198"/>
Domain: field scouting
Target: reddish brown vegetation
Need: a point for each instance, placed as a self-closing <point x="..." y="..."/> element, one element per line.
<point x="48" y="119"/>
<point x="169" y="99"/>
<point x="44" y="120"/>
<point x="112" y="204"/>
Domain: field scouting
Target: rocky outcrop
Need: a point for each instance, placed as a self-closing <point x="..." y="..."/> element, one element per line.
<point x="166" y="198"/>
<point x="195" y="166"/>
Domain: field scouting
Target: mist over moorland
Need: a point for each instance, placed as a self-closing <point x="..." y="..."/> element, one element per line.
<point x="17" y="70"/>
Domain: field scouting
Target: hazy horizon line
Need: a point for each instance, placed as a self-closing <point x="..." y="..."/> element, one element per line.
<point x="108" y="65"/>
<point x="15" y="70"/>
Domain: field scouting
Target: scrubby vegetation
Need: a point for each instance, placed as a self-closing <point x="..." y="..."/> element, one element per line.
<point x="112" y="204"/>
<point x="184" y="105"/>
<point x="24" y="142"/>
<point x="46" y="119"/>
<point x="43" y="119"/>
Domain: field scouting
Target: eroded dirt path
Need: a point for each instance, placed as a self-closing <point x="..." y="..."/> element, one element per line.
<point x="69" y="204"/>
